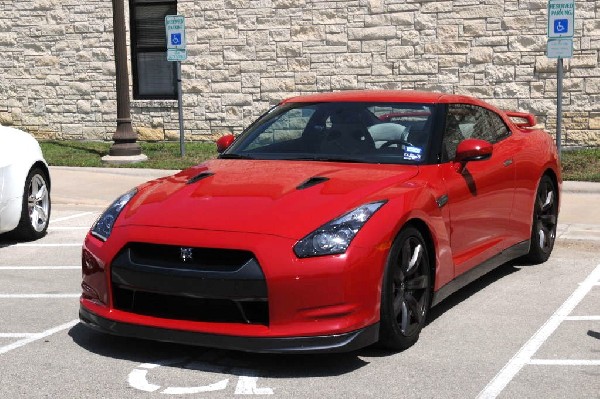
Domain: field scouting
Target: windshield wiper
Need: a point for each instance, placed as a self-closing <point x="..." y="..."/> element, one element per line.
<point x="234" y="156"/>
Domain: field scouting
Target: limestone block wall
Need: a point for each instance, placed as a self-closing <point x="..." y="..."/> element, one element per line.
<point x="57" y="67"/>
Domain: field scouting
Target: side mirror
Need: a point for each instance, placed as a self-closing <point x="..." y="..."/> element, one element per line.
<point x="473" y="150"/>
<point x="224" y="142"/>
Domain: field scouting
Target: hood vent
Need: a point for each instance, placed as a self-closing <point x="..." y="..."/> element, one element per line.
<point x="313" y="181"/>
<point x="199" y="177"/>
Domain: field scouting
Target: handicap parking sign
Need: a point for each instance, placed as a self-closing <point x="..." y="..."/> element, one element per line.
<point x="175" y="32"/>
<point x="176" y="39"/>
<point x="561" y="26"/>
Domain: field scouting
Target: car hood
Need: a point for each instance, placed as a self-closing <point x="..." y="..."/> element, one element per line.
<point x="283" y="198"/>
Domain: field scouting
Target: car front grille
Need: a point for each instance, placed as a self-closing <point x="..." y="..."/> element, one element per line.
<point x="211" y="285"/>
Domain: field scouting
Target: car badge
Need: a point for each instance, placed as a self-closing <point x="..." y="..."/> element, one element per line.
<point x="185" y="254"/>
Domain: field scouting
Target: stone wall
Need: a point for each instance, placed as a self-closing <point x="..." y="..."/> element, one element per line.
<point x="57" y="63"/>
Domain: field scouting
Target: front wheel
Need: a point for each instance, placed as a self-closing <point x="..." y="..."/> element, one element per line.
<point x="543" y="228"/>
<point x="35" y="209"/>
<point x="406" y="291"/>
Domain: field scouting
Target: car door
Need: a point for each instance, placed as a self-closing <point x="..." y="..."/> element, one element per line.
<point x="480" y="193"/>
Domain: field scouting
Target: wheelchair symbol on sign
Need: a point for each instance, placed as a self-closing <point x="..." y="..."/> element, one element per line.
<point x="561" y="25"/>
<point x="175" y="39"/>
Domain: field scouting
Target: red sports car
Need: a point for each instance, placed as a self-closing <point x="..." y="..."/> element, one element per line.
<point x="333" y="222"/>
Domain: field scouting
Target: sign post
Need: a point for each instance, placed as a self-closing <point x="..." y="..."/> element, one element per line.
<point x="561" y="26"/>
<point x="176" y="51"/>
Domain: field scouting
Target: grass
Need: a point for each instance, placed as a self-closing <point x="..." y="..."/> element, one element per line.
<point x="581" y="164"/>
<point x="161" y="155"/>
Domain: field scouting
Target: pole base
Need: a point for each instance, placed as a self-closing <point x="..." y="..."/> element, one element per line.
<point x="124" y="159"/>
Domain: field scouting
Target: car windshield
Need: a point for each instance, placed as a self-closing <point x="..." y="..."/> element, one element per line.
<point x="340" y="131"/>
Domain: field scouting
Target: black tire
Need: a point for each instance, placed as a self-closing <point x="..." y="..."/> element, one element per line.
<point x="406" y="291"/>
<point x="35" y="210"/>
<point x="543" y="227"/>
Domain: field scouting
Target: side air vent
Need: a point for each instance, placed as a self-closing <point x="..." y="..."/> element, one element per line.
<point x="313" y="181"/>
<point x="199" y="177"/>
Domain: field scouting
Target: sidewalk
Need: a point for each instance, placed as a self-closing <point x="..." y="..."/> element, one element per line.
<point x="579" y="216"/>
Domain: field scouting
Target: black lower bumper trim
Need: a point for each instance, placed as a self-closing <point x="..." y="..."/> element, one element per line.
<point x="346" y="342"/>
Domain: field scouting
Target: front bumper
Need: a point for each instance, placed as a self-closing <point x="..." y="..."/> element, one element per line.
<point x="313" y="304"/>
<point x="346" y="342"/>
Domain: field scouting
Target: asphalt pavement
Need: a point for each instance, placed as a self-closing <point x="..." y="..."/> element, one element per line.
<point x="520" y="331"/>
<point x="579" y="215"/>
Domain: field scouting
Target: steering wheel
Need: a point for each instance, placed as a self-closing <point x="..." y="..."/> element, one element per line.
<point x="390" y="143"/>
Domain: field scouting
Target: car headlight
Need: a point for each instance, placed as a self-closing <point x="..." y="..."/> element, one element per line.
<point x="335" y="236"/>
<point x="104" y="225"/>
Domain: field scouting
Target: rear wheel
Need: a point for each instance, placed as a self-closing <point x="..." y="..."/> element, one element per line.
<point x="35" y="210"/>
<point x="545" y="215"/>
<point x="406" y="291"/>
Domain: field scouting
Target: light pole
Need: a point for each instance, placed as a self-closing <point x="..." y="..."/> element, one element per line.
<point x="125" y="148"/>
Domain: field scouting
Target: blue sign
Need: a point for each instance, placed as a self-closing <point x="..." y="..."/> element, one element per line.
<point x="561" y="26"/>
<point x="176" y="39"/>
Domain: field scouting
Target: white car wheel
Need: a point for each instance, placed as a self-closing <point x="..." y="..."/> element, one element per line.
<point x="35" y="214"/>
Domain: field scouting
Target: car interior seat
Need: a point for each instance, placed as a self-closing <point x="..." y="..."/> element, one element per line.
<point x="347" y="134"/>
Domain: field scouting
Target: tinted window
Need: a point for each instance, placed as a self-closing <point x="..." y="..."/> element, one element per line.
<point x="349" y="131"/>
<point x="464" y="121"/>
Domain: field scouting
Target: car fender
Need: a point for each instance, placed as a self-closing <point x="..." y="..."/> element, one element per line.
<point x="418" y="206"/>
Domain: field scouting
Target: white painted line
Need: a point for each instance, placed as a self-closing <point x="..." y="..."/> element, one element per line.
<point x="524" y="355"/>
<point x="247" y="385"/>
<point x="79" y="244"/>
<point x="38" y="296"/>
<point x="36" y="337"/>
<point x="64" y="228"/>
<point x="582" y="318"/>
<point x="17" y="335"/>
<point x="40" y="268"/>
<point x="217" y="386"/>
<point x="566" y="362"/>
<point x="247" y="381"/>
<point x="137" y="379"/>
<point x="77" y="215"/>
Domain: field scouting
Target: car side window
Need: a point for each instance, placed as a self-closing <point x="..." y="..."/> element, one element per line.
<point x="462" y="121"/>
<point x="465" y="121"/>
<point x="499" y="129"/>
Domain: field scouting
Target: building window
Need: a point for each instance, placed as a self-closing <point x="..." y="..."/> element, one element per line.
<point x="154" y="78"/>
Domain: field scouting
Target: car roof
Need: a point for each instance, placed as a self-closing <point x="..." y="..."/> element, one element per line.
<point x="385" y="96"/>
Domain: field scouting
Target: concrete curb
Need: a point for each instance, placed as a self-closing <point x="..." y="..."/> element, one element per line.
<point x="581" y="187"/>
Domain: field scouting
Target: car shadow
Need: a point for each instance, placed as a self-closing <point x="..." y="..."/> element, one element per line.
<point x="265" y="364"/>
<point x="228" y="362"/>
<point x="473" y="288"/>
<point x="7" y="240"/>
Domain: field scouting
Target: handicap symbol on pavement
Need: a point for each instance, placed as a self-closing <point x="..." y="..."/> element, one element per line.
<point x="561" y="25"/>
<point x="175" y="39"/>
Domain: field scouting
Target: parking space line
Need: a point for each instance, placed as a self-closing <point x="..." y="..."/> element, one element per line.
<point x="67" y="228"/>
<point x="582" y="318"/>
<point x="77" y="215"/>
<point x="40" y="268"/>
<point x="38" y="296"/>
<point x="36" y="337"/>
<point x="79" y="244"/>
<point x="16" y="335"/>
<point x="524" y="355"/>
<point x="558" y="362"/>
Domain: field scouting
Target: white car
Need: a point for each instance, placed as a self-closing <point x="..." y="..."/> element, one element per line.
<point x="24" y="185"/>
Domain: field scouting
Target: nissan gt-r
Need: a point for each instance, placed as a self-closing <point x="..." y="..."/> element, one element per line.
<point x="333" y="222"/>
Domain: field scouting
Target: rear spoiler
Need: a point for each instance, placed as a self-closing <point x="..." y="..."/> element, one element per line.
<point x="524" y="119"/>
